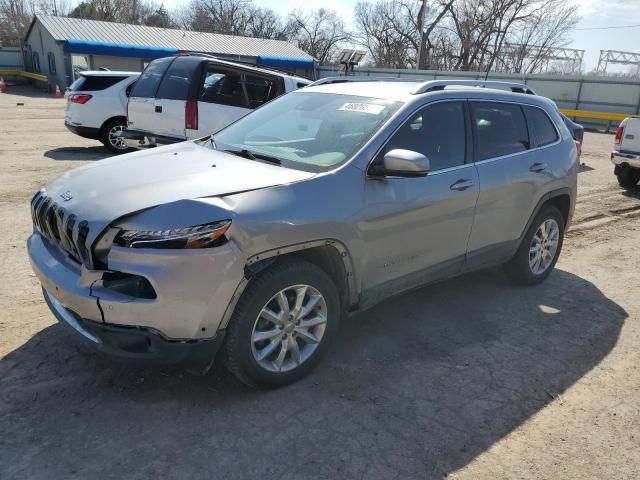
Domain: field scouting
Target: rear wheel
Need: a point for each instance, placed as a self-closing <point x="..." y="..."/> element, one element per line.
<point x="282" y="325"/>
<point x="540" y="248"/>
<point x="110" y="135"/>
<point x="627" y="176"/>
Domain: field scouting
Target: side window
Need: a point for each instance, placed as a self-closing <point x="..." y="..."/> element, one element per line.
<point x="541" y="127"/>
<point x="500" y="129"/>
<point x="260" y="90"/>
<point x="175" y="84"/>
<point x="147" y="84"/>
<point x="52" y="62"/>
<point x="222" y="86"/>
<point x="36" y="62"/>
<point x="438" y="132"/>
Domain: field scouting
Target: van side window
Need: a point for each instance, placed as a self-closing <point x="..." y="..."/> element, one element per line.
<point x="540" y="126"/>
<point x="437" y="131"/>
<point x="147" y="84"/>
<point x="176" y="82"/>
<point x="222" y="86"/>
<point x="260" y="90"/>
<point x="500" y="129"/>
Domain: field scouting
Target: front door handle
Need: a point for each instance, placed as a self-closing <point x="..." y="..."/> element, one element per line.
<point x="462" y="184"/>
<point x="158" y="108"/>
<point x="538" y="167"/>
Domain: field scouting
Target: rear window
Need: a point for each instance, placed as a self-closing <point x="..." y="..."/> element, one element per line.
<point x="95" y="82"/>
<point x="500" y="129"/>
<point x="147" y="84"/>
<point x="542" y="130"/>
<point x="176" y="83"/>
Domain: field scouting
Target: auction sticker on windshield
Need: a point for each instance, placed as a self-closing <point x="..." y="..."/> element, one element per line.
<point x="362" y="107"/>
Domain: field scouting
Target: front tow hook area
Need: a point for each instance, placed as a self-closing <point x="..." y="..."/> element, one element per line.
<point x="68" y="319"/>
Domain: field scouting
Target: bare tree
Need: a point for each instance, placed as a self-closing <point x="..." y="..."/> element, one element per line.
<point x="320" y="33"/>
<point x="15" y="18"/>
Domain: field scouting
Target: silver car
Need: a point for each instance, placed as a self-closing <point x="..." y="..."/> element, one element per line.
<point x="321" y="203"/>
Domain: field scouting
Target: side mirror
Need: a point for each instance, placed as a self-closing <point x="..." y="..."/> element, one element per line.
<point x="401" y="163"/>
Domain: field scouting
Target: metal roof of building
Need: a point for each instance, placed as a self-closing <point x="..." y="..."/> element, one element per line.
<point x="63" y="28"/>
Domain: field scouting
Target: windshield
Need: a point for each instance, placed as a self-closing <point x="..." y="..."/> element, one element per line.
<point x="308" y="130"/>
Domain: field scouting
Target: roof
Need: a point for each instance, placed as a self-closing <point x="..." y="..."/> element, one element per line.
<point x="65" y="29"/>
<point x="108" y="73"/>
<point x="403" y="91"/>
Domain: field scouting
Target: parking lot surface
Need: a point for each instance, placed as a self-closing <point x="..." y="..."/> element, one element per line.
<point x="471" y="378"/>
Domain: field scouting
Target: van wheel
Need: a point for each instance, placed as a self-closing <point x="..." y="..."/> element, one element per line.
<point x="627" y="176"/>
<point x="109" y="135"/>
<point x="282" y="324"/>
<point x="540" y="248"/>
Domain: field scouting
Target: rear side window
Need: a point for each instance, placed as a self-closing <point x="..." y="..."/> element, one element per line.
<point x="95" y="83"/>
<point x="500" y="129"/>
<point x="177" y="81"/>
<point x="541" y="127"/>
<point x="222" y="86"/>
<point x="260" y="90"/>
<point x="438" y="132"/>
<point x="147" y="84"/>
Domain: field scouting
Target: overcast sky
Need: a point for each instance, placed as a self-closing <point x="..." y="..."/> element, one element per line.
<point x="594" y="13"/>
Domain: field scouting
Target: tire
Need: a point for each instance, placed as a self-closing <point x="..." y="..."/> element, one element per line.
<point x="627" y="177"/>
<point x="520" y="269"/>
<point x="240" y="352"/>
<point x="107" y="139"/>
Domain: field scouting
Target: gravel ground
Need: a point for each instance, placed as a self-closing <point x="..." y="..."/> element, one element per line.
<point x="471" y="378"/>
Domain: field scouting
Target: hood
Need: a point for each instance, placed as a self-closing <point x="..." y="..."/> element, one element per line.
<point x="109" y="189"/>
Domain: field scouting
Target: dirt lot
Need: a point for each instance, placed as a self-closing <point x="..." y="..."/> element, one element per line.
<point x="472" y="378"/>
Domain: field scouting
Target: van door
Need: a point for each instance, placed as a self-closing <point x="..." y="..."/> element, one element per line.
<point x="513" y="167"/>
<point x="141" y="113"/>
<point x="171" y="99"/>
<point x="222" y="100"/>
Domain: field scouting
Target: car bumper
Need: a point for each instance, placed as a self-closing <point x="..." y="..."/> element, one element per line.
<point x="134" y="342"/>
<point x="193" y="290"/>
<point x="141" y="140"/>
<point x="622" y="158"/>
<point x="86" y="132"/>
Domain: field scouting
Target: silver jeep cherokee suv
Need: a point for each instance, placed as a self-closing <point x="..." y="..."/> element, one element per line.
<point x="321" y="203"/>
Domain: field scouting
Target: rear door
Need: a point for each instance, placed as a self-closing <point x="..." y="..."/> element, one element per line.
<point x="222" y="99"/>
<point x="514" y="164"/>
<point x="141" y="110"/>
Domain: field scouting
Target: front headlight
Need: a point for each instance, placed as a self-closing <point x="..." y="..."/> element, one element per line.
<point x="200" y="236"/>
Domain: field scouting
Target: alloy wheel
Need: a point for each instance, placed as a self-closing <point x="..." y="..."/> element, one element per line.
<point x="289" y="328"/>
<point x="544" y="246"/>
<point x="115" y="139"/>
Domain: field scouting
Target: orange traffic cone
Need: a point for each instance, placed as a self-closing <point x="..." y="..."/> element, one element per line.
<point x="58" y="92"/>
<point x="3" y="85"/>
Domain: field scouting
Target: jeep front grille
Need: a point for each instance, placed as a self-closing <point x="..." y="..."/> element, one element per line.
<point x="61" y="228"/>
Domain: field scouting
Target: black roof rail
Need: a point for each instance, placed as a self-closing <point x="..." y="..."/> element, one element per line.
<point x="355" y="78"/>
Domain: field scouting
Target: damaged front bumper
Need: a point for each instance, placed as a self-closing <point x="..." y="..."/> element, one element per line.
<point x="192" y="291"/>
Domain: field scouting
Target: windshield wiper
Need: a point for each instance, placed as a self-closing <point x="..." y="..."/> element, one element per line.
<point x="255" y="156"/>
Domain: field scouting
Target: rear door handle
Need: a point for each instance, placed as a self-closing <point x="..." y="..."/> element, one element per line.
<point x="461" y="184"/>
<point x="158" y="108"/>
<point x="538" y="167"/>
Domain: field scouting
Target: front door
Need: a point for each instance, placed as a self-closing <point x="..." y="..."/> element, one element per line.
<point x="416" y="229"/>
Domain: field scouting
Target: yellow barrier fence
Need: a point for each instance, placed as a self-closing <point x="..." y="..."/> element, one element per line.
<point x="589" y="114"/>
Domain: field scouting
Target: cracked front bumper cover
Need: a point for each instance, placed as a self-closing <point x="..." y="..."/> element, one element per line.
<point x="135" y="342"/>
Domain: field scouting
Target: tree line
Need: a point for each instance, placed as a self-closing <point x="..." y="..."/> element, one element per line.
<point x="504" y="35"/>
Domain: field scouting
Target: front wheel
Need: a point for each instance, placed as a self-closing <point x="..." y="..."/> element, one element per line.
<point x="282" y="325"/>
<point x="540" y="248"/>
<point x="110" y="136"/>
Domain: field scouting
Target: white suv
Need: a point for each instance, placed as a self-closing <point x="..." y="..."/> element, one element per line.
<point x="97" y="106"/>
<point x="189" y="96"/>
<point x="626" y="152"/>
